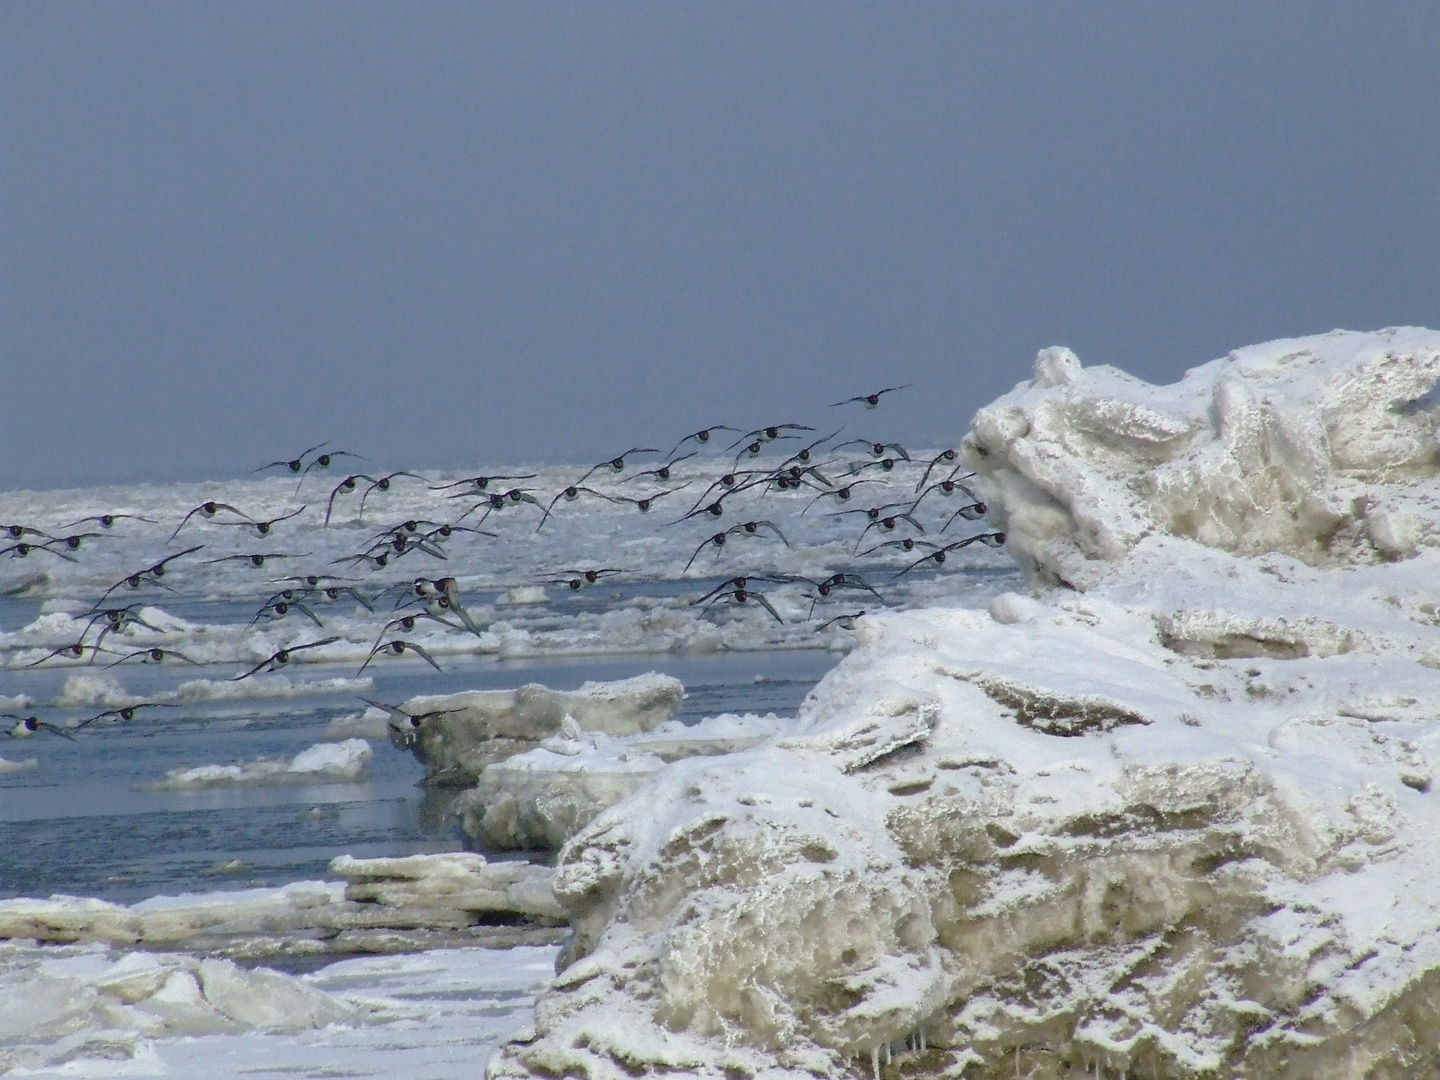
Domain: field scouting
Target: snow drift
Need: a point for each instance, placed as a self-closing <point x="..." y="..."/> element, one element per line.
<point x="1180" y="824"/>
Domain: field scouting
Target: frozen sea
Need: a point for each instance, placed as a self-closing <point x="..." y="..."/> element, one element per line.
<point x="84" y="816"/>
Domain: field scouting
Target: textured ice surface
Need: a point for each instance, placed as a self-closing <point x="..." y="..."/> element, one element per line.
<point x="1182" y="823"/>
<point x="88" y="1010"/>
<point x="1322" y="448"/>
<point x="446" y="891"/>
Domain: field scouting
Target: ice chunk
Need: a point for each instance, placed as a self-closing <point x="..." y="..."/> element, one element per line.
<point x="1289" y="447"/>
<point x="323" y="763"/>
<point x="465" y="732"/>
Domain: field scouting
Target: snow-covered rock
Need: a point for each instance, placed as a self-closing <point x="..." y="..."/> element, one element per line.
<point x="1180" y="824"/>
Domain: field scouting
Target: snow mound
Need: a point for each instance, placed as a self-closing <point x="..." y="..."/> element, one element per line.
<point x="470" y="730"/>
<point x="323" y="763"/>
<point x="23" y="765"/>
<point x="1309" y="446"/>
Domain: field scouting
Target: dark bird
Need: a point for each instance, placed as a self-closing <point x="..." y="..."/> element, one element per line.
<point x="847" y="622"/>
<point x="570" y="494"/>
<point x="617" y="463"/>
<point x="258" y="559"/>
<point x="281" y="657"/>
<point x="281" y="604"/>
<point x="737" y="583"/>
<point x="768" y="434"/>
<point x="154" y="656"/>
<point x="74" y="540"/>
<point x="841" y="494"/>
<point x="753" y="448"/>
<point x="398" y="647"/>
<point x="578" y="579"/>
<point x="75" y="650"/>
<point x="644" y="504"/>
<point x="870" y="401"/>
<point x="946" y="488"/>
<point x="497" y="501"/>
<point x="878" y="449"/>
<point x="154" y="572"/>
<point x="322" y="461"/>
<point x="23" y="549"/>
<point x="107" y="520"/>
<point x="888" y="524"/>
<point x="476" y="484"/>
<point x="17" y="532"/>
<point x="263" y="527"/>
<point x="701" y="437"/>
<point x="971" y="512"/>
<point x="994" y="540"/>
<point x="296" y="463"/>
<point x="29" y="725"/>
<point x="909" y="543"/>
<point x="743" y="596"/>
<point x="208" y="510"/>
<point x="802" y="456"/>
<point x="663" y="472"/>
<point x="125" y="712"/>
<point x="383" y="484"/>
<point x="406" y="725"/>
<point x="945" y="457"/>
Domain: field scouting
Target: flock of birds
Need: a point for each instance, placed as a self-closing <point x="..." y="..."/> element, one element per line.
<point x="833" y="478"/>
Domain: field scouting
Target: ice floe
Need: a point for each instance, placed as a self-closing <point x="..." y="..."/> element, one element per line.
<point x="324" y="763"/>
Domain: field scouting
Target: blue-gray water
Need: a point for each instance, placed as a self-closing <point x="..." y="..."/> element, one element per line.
<point x="77" y="825"/>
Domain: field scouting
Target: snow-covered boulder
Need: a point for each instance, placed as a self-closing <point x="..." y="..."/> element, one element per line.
<point x="1182" y="824"/>
<point x="465" y="732"/>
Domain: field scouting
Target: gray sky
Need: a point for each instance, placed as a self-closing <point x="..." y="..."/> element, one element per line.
<point x="456" y="233"/>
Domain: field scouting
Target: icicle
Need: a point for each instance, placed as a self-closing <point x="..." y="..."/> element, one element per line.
<point x="922" y="1040"/>
<point x="875" y="1061"/>
<point x="887" y="1052"/>
<point x="1017" y="1061"/>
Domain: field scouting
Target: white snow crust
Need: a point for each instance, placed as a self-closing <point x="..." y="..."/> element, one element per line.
<point x="1172" y="813"/>
<point x="323" y="763"/>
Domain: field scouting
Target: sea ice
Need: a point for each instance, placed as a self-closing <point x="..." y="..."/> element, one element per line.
<point x="468" y="731"/>
<point x="323" y="763"/>
<point x="1170" y="814"/>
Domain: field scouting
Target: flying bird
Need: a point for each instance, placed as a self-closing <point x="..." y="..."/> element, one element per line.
<point x="870" y="401"/>
<point x="278" y="659"/>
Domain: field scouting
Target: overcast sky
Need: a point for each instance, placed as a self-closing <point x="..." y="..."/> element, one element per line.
<point x="445" y="234"/>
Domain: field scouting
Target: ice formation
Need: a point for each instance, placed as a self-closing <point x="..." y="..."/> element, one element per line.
<point x="89" y="1010"/>
<point x="1181" y="823"/>
<point x="324" y="763"/>
<point x="468" y="731"/>
<point x="375" y="899"/>
<point x="541" y="798"/>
